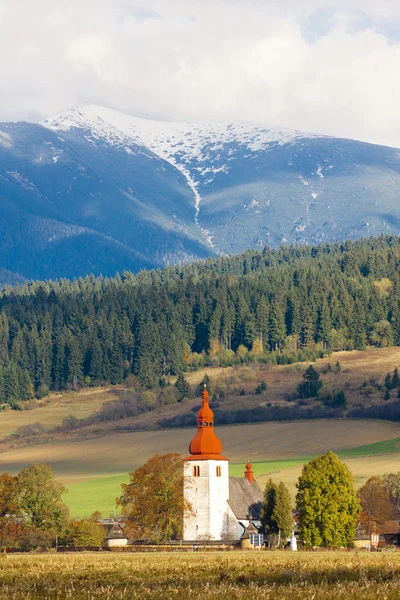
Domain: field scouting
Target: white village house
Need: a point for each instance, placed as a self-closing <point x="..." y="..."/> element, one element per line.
<point x="223" y="506"/>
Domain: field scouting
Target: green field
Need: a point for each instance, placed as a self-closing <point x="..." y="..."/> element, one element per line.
<point x="85" y="497"/>
<point x="238" y="575"/>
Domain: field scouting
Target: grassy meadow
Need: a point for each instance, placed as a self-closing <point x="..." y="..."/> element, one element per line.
<point x="224" y="575"/>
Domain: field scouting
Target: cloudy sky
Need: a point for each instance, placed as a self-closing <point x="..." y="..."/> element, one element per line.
<point x="328" y="66"/>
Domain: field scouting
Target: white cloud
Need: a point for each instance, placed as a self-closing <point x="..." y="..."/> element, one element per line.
<point x="328" y="66"/>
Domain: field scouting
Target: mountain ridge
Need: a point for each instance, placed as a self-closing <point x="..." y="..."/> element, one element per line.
<point x="92" y="190"/>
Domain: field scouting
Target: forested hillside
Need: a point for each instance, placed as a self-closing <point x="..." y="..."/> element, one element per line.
<point x="279" y="304"/>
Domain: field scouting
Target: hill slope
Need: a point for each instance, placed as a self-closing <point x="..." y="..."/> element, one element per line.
<point x="93" y="190"/>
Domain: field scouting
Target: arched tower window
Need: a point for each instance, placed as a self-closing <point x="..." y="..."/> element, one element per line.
<point x="218" y="471"/>
<point x="196" y="471"/>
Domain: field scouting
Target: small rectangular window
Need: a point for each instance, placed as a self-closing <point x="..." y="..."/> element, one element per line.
<point x="218" y="471"/>
<point x="196" y="471"/>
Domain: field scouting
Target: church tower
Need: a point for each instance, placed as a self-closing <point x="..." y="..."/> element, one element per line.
<point x="207" y="481"/>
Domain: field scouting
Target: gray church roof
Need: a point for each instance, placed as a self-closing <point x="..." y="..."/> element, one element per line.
<point x="245" y="497"/>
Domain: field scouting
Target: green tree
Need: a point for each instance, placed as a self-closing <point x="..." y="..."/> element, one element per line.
<point x="276" y="328"/>
<point x="40" y="499"/>
<point x="11" y="384"/>
<point x="276" y="512"/>
<point x="207" y="383"/>
<point x="382" y="334"/>
<point x="311" y="383"/>
<point x="26" y="390"/>
<point x="268" y="506"/>
<point x="324" y="324"/>
<point x="326" y="502"/>
<point x="183" y="387"/>
<point x="153" y="501"/>
<point x="395" y="378"/>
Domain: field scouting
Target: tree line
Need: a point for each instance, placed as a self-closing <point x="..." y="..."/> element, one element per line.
<point x="325" y="511"/>
<point x="34" y="516"/>
<point x="269" y="305"/>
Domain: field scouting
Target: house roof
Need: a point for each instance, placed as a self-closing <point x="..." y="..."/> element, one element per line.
<point x="390" y="527"/>
<point x="245" y="498"/>
<point x="114" y="531"/>
<point x="250" y="529"/>
<point x="360" y="534"/>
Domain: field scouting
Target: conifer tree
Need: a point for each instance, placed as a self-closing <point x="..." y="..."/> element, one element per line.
<point x="204" y="382"/>
<point x="182" y="386"/>
<point x="276" y="512"/>
<point x="324" y="324"/>
<point x="26" y="390"/>
<point x="395" y="378"/>
<point x="268" y="506"/>
<point x="311" y="383"/>
<point x="11" y="384"/>
<point x="277" y="329"/>
<point x="96" y="370"/>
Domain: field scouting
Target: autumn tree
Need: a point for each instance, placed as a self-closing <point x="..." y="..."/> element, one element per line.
<point x="153" y="501"/>
<point x="39" y="498"/>
<point x="327" y="503"/>
<point x="276" y="512"/>
<point x="8" y="509"/>
<point x="392" y="482"/>
<point x="86" y="533"/>
<point x="374" y="497"/>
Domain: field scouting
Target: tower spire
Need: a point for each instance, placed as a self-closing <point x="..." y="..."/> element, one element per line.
<point x="249" y="475"/>
<point x="205" y="445"/>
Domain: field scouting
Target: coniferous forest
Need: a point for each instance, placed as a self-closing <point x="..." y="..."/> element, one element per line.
<point x="281" y="304"/>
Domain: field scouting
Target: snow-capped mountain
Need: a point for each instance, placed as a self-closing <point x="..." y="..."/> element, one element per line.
<point x="94" y="190"/>
<point x="198" y="151"/>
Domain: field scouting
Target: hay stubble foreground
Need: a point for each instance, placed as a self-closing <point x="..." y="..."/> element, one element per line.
<point x="319" y="575"/>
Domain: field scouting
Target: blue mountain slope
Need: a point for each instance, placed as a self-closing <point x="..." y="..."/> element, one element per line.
<point x="321" y="189"/>
<point x="69" y="207"/>
<point x="92" y="190"/>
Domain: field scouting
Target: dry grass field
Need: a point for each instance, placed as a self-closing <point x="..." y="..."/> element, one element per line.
<point x="74" y="460"/>
<point x="94" y="468"/>
<point x="51" y="411"/>
<point x="356" y="367"/>
<point x="234" y="575"/>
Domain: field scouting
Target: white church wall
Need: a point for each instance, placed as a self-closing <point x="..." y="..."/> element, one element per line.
<point x="233" y="529"/>
<point x="208" y="494"/>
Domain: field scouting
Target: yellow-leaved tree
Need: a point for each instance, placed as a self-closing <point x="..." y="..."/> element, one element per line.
<point x="154" y="502"/>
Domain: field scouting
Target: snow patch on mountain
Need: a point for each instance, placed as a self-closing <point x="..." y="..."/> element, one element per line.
<point x="186" y="146"/>
<point x="192" y="140"/>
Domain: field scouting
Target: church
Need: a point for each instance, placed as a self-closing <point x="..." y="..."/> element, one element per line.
<point x="223" y="507"/>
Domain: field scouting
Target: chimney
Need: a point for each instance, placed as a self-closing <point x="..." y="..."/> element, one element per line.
<point x="249" y="475"/>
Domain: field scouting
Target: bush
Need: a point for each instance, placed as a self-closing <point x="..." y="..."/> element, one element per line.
<point x="42" y="391"/>
<point x="148" y="400"/>
<point x="69" y="423"/>
<point x="367" y="391"/>
<point x="29" y="430"/>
